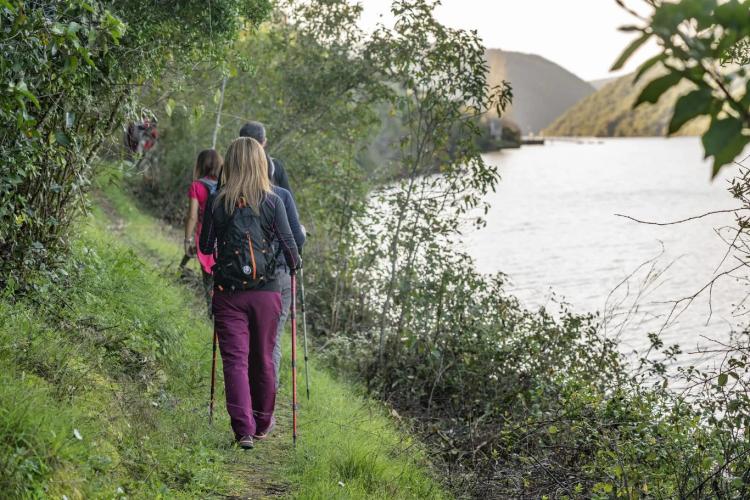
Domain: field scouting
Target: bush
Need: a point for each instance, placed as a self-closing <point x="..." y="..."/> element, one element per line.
<point x="72" y="68"/>
<point x="524" y="404"/>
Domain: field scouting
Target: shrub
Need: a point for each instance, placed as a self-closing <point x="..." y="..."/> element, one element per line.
<point x="72" y="68"/>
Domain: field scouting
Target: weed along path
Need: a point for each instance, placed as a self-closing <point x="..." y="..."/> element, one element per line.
<point x="347" y="447"/>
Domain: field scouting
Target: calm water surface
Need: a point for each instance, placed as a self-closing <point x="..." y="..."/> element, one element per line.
<point x="552" y="228"/>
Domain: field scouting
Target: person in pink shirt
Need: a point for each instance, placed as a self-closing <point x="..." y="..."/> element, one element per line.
<point x="205" y="177"/>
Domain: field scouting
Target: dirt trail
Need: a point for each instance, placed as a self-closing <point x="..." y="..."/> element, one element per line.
<point x="257" y="468"/>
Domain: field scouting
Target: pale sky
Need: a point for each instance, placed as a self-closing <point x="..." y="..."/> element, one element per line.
<point x="579" y="35"/>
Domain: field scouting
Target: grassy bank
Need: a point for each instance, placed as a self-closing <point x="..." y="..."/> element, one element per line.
<point x="104" y="383"/>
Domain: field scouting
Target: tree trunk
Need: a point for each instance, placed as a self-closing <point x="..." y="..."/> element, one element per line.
<point x="218" y="113"/>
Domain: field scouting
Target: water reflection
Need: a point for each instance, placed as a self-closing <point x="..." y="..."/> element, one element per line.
<point x="552" y="228"/>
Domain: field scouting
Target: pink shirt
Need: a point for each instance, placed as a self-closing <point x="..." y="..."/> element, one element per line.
<point x="199" y="192"/>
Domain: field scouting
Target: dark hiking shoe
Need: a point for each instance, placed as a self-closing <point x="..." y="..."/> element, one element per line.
<point x="260" y="436"/>
<point x="246" y="442"/>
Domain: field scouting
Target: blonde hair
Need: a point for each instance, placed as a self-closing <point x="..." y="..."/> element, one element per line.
<point x="209" y="163"/>
<point x="244" y="178"/>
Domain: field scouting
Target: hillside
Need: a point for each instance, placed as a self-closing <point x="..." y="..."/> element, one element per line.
<point x="609" y="113"/>
<point x="542" y="90"/>
<point x="598" y="84"/>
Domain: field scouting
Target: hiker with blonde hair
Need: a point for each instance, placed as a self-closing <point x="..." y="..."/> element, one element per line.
<point x="245" y="221"/>
<point x="280" y="186"/>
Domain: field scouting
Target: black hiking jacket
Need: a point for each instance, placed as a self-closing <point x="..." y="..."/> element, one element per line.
<point x="278" y="173"/>
<point x="273" y="222"/>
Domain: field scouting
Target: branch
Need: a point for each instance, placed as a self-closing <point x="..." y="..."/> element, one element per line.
<point x="716" y="472"/>
<point x="632" y="12"/>
<point x="689" y="299"/>
<point x="730" y="210"/>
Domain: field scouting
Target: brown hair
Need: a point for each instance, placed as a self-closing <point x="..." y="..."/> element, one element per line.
<point x="244" y="178"/>
<point x="209" y="162"/>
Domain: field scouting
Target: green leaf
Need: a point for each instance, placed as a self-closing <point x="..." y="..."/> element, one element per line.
<point x="654" y="90"/>
<point x="217" y="96"/>
<point x="198" y="112"/>
<point x="724" y="141"/>
<point x="722" y="380"/>
<point x="71" y="64"/>
<point x="86" y="57"/>
<point x="629" y="51"/>
<point x="689" y="106"/>
<point x="61" y="138"/>
<point x="647" y="66"/>
<point x="730" y="152"/>
<point x="5" y="4"/>
<point x="23" y="89"/>
<point x="169" y="106"/>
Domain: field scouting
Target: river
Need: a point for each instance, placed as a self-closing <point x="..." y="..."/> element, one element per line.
<point x="552" y="229"/>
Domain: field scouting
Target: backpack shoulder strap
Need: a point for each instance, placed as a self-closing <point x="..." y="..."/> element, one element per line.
<point x="209" y="185"/>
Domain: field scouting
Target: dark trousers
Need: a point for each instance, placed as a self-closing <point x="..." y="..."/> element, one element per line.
<point x="208" y="289"/>
<point x="246" y="326"/>
<point x="285" y="281"/>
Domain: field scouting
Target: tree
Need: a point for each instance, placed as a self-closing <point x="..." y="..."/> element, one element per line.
<point x="303" y="74"/>
<point x="437" y="78"/>
<point x="74" y="70"/>
<point x="706" y="43"/>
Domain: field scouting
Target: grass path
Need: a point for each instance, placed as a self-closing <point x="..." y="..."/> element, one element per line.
<point x="257" y="471"/>
<point x="104" y="384"/>
<point x="347" y="447"/>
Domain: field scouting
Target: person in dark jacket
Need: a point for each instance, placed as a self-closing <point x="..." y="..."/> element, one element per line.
<point x="283" y="275"/>
<point x="246" y="319"/>
<point x="276" y="169"/>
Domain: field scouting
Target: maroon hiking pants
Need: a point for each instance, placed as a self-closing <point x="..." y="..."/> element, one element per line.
<point x="246" y="324"/>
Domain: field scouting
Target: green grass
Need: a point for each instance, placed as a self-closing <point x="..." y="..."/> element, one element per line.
<point x="104" y="386"/>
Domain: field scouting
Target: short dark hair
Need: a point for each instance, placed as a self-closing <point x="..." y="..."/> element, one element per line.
<point x="256" y="130"/>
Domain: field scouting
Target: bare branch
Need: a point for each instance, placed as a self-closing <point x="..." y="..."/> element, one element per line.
<point x="727" y="211"/>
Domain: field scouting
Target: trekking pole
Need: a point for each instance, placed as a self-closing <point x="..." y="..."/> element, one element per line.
<point x="294" y="358"/>
<point x="185" y="260"/>
<point x="304" y="328"/>
<point x="213" y="380"/>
